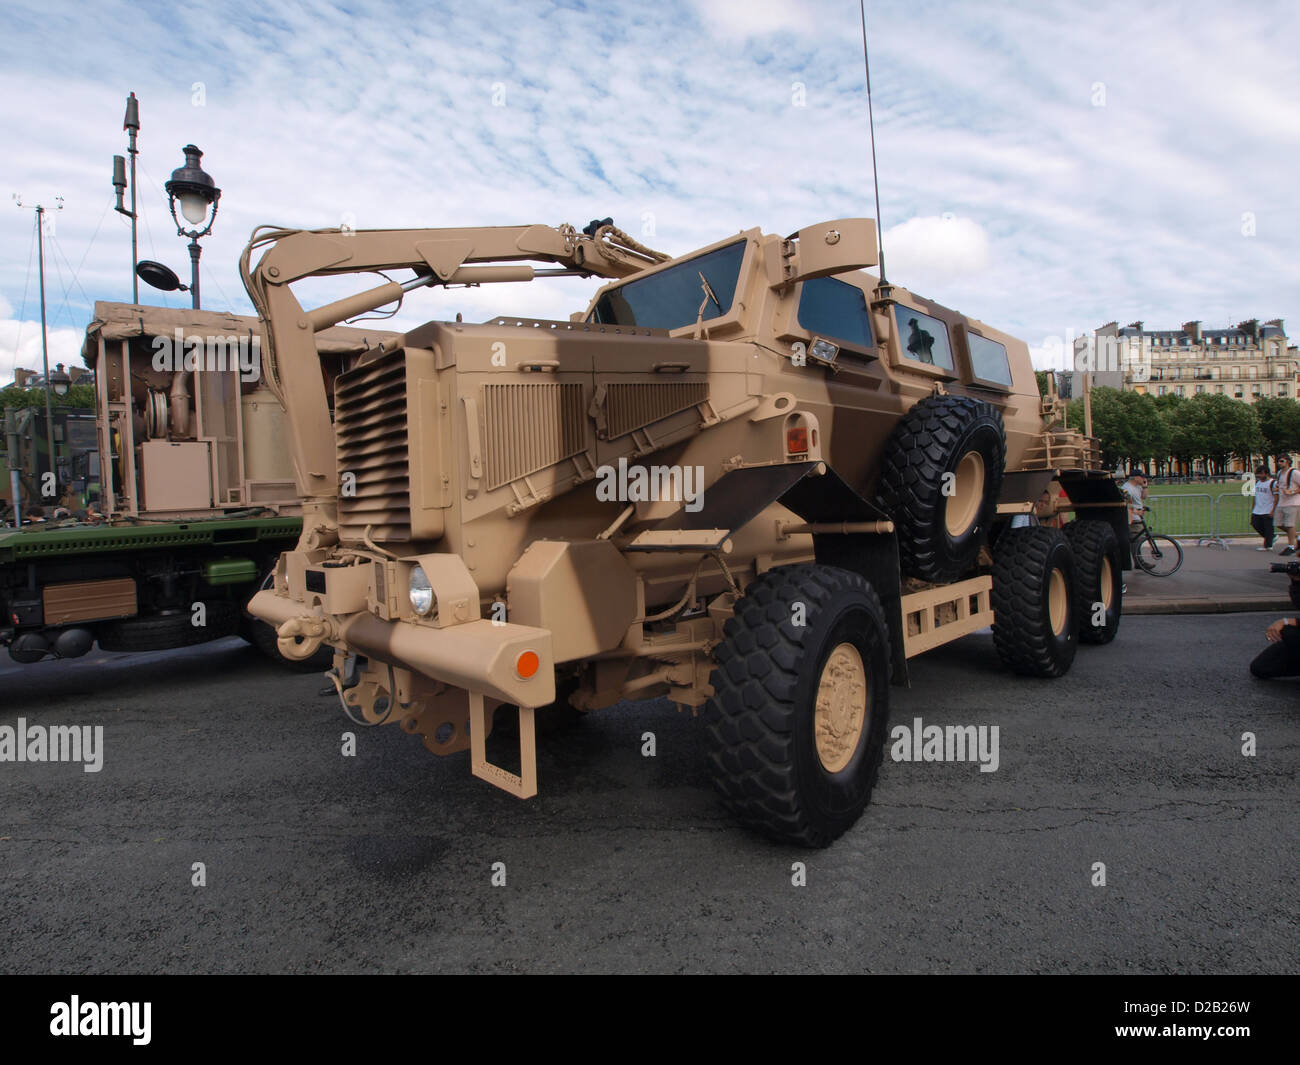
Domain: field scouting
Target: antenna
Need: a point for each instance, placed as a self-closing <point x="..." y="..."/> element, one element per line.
<point x="40" y="210"/>
<point x="883" y="287"/>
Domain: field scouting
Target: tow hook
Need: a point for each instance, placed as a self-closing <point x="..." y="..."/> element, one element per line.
<point x="300" y="638"/>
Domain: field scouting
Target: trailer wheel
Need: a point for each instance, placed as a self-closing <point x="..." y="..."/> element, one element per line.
<point x="1035" y="622"/>
<point x="796" y="725"/>
<point x="1099" y="590"/>
<point x="940" y="482"/>
<point x="161" y="632"/>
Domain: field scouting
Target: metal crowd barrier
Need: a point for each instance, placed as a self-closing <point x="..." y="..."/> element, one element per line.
<point x="1193" y="514"/>
<point x="1208" y="518"/>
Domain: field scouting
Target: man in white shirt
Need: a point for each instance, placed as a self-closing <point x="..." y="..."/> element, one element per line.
<point x="1135" y="488"/>
<point x="1288" y="501"/>
<point x="1261" y="514"/>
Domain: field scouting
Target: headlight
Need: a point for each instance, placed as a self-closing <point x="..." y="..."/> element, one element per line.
<point x="422" y="600"/>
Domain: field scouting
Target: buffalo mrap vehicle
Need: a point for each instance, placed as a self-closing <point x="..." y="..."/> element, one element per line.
<point x="752" y="479"/>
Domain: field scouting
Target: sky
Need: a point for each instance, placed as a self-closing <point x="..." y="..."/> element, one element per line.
<point x="1044" y="166"/>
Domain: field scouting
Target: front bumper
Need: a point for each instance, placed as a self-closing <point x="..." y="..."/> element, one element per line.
<point x="478" y="656"/>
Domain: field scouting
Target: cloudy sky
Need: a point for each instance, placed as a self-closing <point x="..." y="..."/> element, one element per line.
<point x="1045" y="166"/>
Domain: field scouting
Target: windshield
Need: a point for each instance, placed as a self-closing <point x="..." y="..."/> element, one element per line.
<point x="671" y="299"/>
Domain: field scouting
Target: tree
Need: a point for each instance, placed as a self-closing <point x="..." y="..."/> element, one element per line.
<point x="1041" y="376"/>
<point x="80" y="396"/>
<point x="1128" y="425"/>
<point x="1212" y="428"/>
<point x="1279" y="424"/>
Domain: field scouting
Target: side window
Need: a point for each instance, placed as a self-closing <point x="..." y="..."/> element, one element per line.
<point x="988" y="359"/>
<point x="923" y="338"/>
<point x="835" y="310"/>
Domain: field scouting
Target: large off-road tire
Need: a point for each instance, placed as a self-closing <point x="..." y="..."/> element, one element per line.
<point x="1035" y="622"/>
<point x="1099" y="579"/>
<point x="940" y="481"/>
<point x="796" y="725"/>
<point x="161" y="632"/>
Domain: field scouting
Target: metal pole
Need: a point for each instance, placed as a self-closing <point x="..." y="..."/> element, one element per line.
<point x="195" y="252"/>
<point x="135" y="257"/>
<point x="45" y="347"/>
<point x="15" y="475"/>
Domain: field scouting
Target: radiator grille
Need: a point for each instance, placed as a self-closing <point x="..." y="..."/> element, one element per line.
<point x="632" y="406"/>
<point x="370" y="433"/>
<point x="530" y="427"/>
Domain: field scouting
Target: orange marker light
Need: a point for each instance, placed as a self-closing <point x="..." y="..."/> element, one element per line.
<point x="796" y="440"/>
<point x="527" y="664"/>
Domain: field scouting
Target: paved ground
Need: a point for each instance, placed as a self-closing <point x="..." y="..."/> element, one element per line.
<point x="1212" y="580"/>
<point x="316" y="862"/>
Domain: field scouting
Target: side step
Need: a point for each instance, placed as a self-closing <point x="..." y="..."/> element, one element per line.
<point x="945" y="612"/>
<point x="523" y="786"/>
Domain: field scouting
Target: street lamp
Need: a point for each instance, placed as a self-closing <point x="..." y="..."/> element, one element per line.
<point x="60" y="381"/>
<point x="196" y="192"/>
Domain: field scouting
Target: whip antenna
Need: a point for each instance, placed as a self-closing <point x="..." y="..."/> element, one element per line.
<point x="871" y="122"/>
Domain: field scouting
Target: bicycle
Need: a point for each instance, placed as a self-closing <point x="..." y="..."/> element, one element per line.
<point x="1161" y="556"/>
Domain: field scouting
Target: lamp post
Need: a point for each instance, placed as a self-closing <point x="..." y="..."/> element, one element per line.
<point x="196" y="192"/>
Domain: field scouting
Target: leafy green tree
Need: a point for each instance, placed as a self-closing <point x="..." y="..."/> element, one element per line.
<point x="1279" y="425"/>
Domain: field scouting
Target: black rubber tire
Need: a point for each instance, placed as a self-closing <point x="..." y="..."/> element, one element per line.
<point x="760" y="723"/>
<point x="1093" y="542"/>
<point x="1171" y="558"/>
<point x="161" y="632"/>
<point x="928" y="443"/>
<point x="1022" y="627"/>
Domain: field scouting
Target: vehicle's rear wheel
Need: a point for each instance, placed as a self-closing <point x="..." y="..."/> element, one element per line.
<point x="940" y="482"/>
<point x="797" y="722"/>
<point x="1099" y="588"/>
<point x="1035" y="622"/>
<point x="161" y="632"/>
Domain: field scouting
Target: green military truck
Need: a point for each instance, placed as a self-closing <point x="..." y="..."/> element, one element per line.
<point x="196" y="493"/>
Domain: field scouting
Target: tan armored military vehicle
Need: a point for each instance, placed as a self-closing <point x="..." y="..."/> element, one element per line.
<point x="751" y="479"/>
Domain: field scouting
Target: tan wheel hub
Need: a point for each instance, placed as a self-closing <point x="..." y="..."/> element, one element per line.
<point x="841" y="710"/>
<point x="1107" y="584"/>
<point x="1058" y="602"/>
<point x="965" y="494"/>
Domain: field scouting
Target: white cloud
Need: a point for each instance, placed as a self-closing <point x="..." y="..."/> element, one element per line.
<point x="934" y="249"/>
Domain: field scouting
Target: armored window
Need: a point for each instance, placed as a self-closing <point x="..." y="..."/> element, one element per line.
<point x="988" y="359"/>
<point x="673" y="297"/>
<point x="923" y="338"/>
<point x="835" y="310"/>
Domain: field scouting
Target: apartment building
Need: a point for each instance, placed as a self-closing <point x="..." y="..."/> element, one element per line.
<point x="1248" y="362"/>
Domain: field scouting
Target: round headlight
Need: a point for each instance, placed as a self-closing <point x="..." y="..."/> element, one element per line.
<point x="422" y="600"/>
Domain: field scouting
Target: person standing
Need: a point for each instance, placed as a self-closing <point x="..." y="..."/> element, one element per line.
<point x="1288" y="501"/>
<point x="1261" y="514"/>
<point x="1135" y="488"/>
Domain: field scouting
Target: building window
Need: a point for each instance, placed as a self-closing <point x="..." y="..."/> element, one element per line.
<point x="1163" y="389"/>
<point x="1200" y="389"/>
<point x="1218" y="390"/>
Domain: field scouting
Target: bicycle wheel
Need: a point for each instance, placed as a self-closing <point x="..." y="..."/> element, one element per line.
<point x="1159" y="555"/>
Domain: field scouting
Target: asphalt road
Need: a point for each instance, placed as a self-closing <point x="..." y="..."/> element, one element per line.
<point x="384" y="861"/>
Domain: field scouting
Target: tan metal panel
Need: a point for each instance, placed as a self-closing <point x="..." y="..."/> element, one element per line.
<point x="89" y="601"/>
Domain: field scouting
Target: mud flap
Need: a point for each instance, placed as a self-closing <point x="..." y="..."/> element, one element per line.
<point x="523" y="786"/>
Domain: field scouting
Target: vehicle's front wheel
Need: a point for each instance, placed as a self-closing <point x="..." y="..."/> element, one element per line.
<point x="797" y="722"/>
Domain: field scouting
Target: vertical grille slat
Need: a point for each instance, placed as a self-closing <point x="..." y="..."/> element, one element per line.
<point x="372" y="443"/>
<point x="529" y="427"/>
